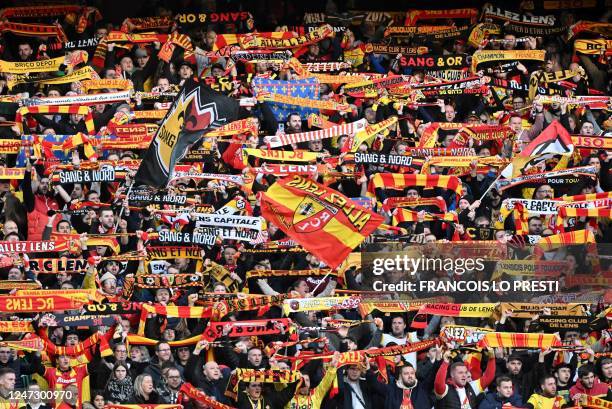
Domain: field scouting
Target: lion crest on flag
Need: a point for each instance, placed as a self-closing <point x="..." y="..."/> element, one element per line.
<point x="312" y="215"/>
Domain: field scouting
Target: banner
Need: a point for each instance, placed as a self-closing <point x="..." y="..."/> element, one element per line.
<point x="322" y="220"/>
<point x="304" y="88"/>
<point x="196" y="110"/>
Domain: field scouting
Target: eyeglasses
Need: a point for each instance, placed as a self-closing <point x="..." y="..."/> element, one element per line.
<point x="163" y="350"/>
<point x="483" y="225"/>
<point x="174" y="377"/>
<point x="255" y="386"/>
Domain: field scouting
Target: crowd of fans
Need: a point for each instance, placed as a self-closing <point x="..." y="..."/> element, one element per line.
<point x="156" y="356"/>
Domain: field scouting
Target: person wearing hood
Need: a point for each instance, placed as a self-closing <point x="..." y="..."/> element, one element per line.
<point x="588" y="384"/>
<point x="504" y="395"/>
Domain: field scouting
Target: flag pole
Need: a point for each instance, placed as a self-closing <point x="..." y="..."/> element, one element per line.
<point x="492" y="184"/>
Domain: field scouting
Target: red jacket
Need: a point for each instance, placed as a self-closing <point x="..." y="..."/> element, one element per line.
<point x="599" y="389"/>
<point x="37" y="219"/>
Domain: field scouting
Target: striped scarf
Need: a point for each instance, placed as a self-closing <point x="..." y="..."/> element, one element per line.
<point x="135" y="339"/>
<point x="34" y="30"/>
<point x="564" y="239"/>
<point x="57" y="109"/>
<point x="595" y="402"/>
<point x="404" y="215"/>
<point x="52" y="11"/>
<point x="172" y="311"/>
<point x="334" y="131"/>
<point x="400" y="181"/>
<point x="197" y="395"/>
<point x="567" y="212"/>
<point x="519" y="340"/>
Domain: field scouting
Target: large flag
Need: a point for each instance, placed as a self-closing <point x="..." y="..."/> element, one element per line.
<point x="554" y="139"/>
<point x="195" y="110"/>
<point x="305" y="88"/>
<point x="322" y="220"/>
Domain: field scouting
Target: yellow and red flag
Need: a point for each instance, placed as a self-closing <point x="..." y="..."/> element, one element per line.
<point x="322" y="220"/>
